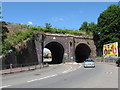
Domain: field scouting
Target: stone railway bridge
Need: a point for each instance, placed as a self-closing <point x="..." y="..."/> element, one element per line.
<point x="64" y="48"/>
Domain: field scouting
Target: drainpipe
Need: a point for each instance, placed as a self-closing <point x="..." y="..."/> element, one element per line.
<point x="42" y="44"/>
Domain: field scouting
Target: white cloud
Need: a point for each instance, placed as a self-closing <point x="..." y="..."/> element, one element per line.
<point x="30" y="23"/>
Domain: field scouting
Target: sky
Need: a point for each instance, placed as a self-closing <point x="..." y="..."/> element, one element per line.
<point x="64" y="15"/>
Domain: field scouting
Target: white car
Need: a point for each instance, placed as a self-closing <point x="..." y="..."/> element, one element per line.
<point x="89" y="63"/>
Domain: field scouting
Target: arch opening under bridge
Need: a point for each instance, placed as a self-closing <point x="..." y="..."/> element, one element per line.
<point x="82" y="52"/>
<point x="57" y="51"/>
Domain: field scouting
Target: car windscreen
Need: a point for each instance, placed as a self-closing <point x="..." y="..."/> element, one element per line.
<point x="89" y="61"/>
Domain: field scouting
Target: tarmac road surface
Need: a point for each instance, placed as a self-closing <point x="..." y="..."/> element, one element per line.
<point x="65" y="76"/>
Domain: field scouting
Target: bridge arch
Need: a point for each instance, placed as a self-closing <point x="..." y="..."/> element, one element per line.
<point x="57" y="51"/>
<point x="82" y="52"/>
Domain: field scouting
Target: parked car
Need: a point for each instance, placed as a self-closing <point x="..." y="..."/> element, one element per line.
<point x="118" y="62"/>
<point x="89" y="63"/>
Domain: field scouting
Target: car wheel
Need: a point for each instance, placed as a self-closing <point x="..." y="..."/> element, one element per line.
<point x="118" y="65"/>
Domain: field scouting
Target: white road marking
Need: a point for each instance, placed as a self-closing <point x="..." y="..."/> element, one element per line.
<point x="108" y="72"/>
<point x="72" y="63"/>
<point x="69" y="70"/>
<point x="4" y="86"/>
<point x="42" y="78"/>
<point x="77" y="68"/>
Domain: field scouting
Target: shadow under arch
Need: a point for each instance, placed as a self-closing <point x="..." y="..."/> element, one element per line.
<point x="57" y="51"/>
<point x="82" y="52"/>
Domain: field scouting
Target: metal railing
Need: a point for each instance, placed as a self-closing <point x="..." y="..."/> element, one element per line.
<point x="21" y="68"/>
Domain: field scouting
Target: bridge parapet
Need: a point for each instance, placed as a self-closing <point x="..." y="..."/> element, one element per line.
<point x="71" y="35"/>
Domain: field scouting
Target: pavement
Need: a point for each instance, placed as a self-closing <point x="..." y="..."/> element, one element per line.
<point x="22" y="69"/>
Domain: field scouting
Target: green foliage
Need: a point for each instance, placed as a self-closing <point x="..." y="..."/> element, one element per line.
<point x="54" y="30"/>
<point x="48" y="26"/>
<point x="46" y="56"/>
<point x="109" y="25"/>
<point x="4" y="33"/>
<point x="16" y="37"/>
<point x="92" y="27"/>
<point x="5" y="47"/>
<point x="18" y="32"/>
<point x="84" y="26"/>
<point x="24" y="26"/>
<point x="88" y="28"/>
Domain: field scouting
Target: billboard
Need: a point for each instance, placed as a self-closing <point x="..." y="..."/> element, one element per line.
<point x="110" y="50"/>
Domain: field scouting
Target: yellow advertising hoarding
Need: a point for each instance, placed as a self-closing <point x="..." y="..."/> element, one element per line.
<point x="110" y="50"/>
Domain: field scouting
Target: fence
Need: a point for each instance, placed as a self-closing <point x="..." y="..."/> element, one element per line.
<point x="22" y="68"/>
<point x="107" y="60"/>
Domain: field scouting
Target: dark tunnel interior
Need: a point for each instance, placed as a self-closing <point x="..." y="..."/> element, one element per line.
<point x="82" y="52"/>
<point x="57" y="52"/>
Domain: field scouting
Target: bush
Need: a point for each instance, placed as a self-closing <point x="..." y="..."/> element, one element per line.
<point x="18" y="32"/>
<point x="46" y="56"/>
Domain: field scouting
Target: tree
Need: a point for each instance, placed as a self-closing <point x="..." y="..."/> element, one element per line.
<point x="109" y="25"/>
<point x="92" y="27"/>
<point x="84" y="26"/>
<point x="48" y="26"/>
<point x="1" y="12"/>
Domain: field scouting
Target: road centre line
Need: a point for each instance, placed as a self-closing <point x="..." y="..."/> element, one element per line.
<point x="49" y="76"/>
<point x="42" y="78"/>
<point x="69" y="70"/>
<point x="4" y="86"/>
<point x="77" y="68"/>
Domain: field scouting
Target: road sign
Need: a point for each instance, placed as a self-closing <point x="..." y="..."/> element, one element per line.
<point x="71" y="57"/>
<point x="54" y="38"/>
